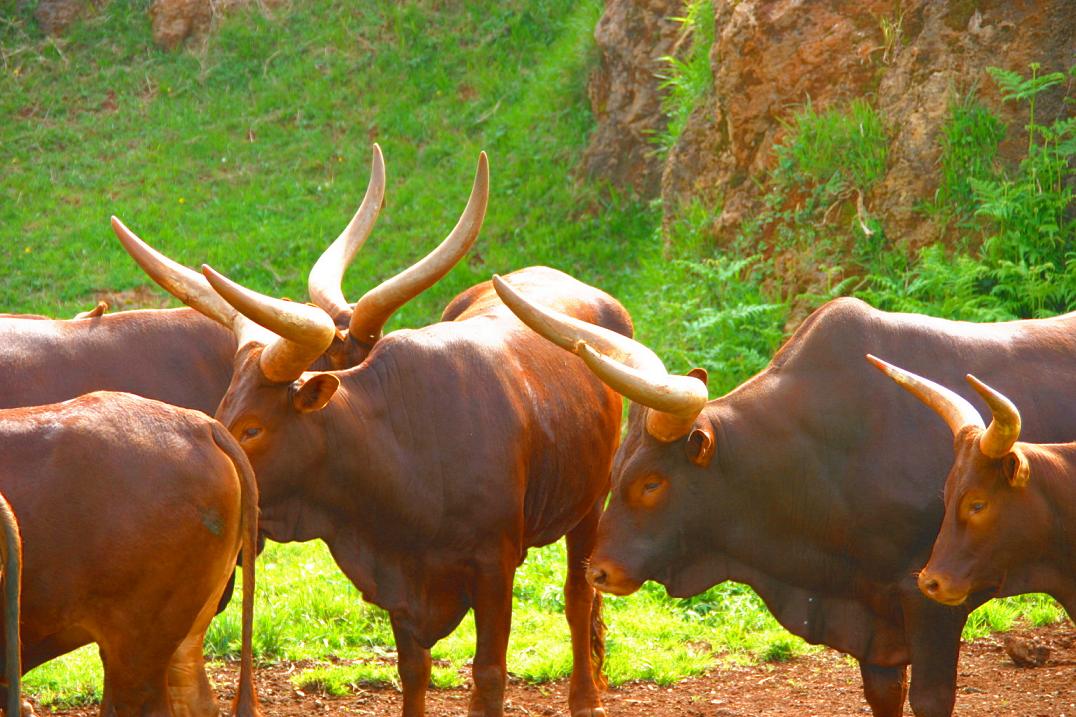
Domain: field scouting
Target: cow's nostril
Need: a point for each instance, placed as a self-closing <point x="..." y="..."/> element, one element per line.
<point x="931" y="585"/>
<point x="597" y="576"/>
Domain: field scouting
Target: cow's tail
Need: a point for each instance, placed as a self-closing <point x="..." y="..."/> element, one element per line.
<point x="597" y="641"/>
<point x="245" y="703"/>
<point x="11" y="556"/>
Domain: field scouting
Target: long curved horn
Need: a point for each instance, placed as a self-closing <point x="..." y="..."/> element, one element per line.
<point x="185" y="284"/>
<point x="373" y="310"/>
<point x="1004" y="428"/>
<point x="188" y="286"/>
<point x="566" y="331"/>
<point x="951" y="406"/>
<point x="674" y="401"/>
<point x="325" y="278"/>
<point x="302" y="332"/>
<point x="625" y="365"/>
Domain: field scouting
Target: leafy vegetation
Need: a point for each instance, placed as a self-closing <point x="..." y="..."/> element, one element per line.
<point x="1025" y="263"/>
<point x="251" y="152"/>
<point x="686" y="80"/>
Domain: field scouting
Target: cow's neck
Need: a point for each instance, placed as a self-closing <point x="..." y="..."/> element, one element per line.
<point x="1053" y="479"/>
<point x="772" y="483"/>
<point x="359" y="495"/>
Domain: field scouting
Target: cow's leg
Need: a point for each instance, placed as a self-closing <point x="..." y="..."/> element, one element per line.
<point x="582" y="608"/>
<point x="413" y="664"/>
<point x="135" y="680"/>
<point x="934" y="638"/>
<point x="493" y="622"/>
<point x="189" y="691"/>
<point x="885" y="689"/>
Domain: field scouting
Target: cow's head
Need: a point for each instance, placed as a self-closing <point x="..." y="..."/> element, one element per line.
<point x="656" y="515"/>
<point x="981" y="535"/>
<point x="273" y="390"/>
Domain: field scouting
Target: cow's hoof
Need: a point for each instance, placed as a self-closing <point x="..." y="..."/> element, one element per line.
<point x="590" y="712"/>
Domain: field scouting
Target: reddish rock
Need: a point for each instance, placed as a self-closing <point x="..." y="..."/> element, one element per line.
<point x="769" y="56"/>
<point x="1026" y="652"/>
<point x="632" y="36"/>
<point x="174" y="21"/>
<point x="55" y="16"/>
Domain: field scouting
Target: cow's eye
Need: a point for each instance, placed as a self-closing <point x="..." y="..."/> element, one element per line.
<point x="977" y="507"/>
<point x="250" y="433"/>
<point x="651" y="485"/>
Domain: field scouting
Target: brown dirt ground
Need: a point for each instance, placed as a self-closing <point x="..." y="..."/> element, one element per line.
<point x="825" y="684"/>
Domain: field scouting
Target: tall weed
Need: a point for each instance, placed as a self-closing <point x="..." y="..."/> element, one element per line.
<point x="1026" y="264"/>
<point x="686" y="81"/>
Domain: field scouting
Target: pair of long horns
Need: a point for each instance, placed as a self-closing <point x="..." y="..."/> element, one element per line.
<point x="368" y="316"/>
<point x="997" y="439"/>
<point x="625" y="365"/>
<point x="294" y="334"/>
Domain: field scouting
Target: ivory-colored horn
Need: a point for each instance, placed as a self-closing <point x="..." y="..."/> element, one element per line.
<point x="1004" y="428"/>
<point x="373" y="310"/>
<point x="674" y="401"/>
<point x="185" y="284"/>
<point x="623" y="364"/>
<point x="956" y="410"/>
<point x="324" y="281"/>
<point x="190" y="287"/>
<point x="302" y="332"/>
<point x="566" y="331"/>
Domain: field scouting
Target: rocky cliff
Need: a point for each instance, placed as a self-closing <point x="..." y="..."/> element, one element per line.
<point x="909" y="59"/>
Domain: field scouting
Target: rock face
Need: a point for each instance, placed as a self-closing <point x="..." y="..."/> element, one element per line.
<point x="632" y="36"/>
<point x="769" y="56"/>
<point x="174" y="21"/>
<point x="55" y="16"/>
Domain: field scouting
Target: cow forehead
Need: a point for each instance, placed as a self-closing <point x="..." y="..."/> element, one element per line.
<point x="641" y="454"/>
<point x="250" y="391"/>
<point x="972" y="470"/>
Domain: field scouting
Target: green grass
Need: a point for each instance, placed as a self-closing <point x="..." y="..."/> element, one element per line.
<point x="252" y="153"/>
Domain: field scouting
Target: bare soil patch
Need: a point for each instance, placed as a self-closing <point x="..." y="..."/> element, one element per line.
<point x="824" y="685"/>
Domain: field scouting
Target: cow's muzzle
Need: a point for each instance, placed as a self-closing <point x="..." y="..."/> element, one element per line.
<point x="609" y="577"/>
<point x="940" y="589"/>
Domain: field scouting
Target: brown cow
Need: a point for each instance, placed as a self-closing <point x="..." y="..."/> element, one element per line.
<point x="132" y="513"/>
<point x="173" y="355"/>
<point x="803" y="484"/>
<point x="1010" y="506"/>
<point x="432" y="466"/>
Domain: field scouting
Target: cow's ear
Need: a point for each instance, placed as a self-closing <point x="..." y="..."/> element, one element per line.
<point x="1016" y="468"/>
<point x="699" y="373"/>
<point x="314" y="393"/>
<point x="700" y="444"/>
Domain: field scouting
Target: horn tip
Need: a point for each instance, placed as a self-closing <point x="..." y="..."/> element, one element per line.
<point x="877" y="362"/>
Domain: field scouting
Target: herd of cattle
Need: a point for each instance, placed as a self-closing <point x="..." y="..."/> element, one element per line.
<point x="429" y="460"/>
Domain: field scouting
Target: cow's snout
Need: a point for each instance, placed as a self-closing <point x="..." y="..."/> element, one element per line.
<point x="937" y="588"/>
<point x="611" y="578"/>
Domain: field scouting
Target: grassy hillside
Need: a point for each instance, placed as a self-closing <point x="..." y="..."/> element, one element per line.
<point x="252" y="153"/>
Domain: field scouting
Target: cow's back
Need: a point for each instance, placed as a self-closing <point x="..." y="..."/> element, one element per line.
<point x="514" y="427"/>
<point x="113" y="492"/>
<point x="172" y="355"/>
<point x="880" y="456"/>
